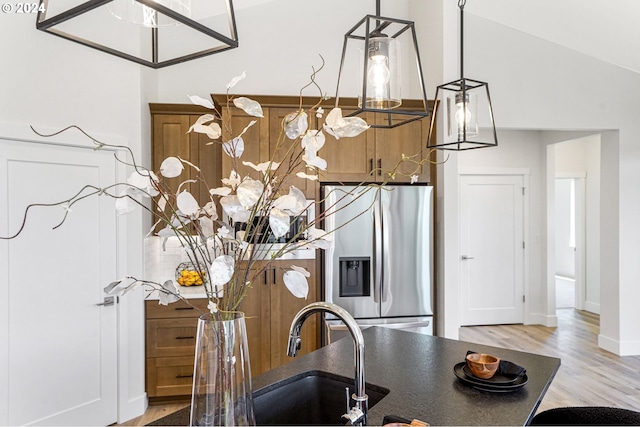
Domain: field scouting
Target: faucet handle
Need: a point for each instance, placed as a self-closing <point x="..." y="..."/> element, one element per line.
<point x="355" y="416"/>
<point x="346" y="392"/>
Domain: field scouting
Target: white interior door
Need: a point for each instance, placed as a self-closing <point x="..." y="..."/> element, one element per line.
<point x="58" y="348"/>
<point x="492" y="249"/>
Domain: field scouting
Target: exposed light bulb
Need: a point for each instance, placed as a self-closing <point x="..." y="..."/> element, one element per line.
<point x="378" y="74"/>
<point x="465" y="115"/>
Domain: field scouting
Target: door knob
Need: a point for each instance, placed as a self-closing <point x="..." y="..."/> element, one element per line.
<point x="108" y="301"/>
<point x="465" y="257"/>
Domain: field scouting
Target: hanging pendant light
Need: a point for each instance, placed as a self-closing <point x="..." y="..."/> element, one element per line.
<point x="155" y="33"/>
<point x="460" y="108"/>
<point x="376" y="43"/>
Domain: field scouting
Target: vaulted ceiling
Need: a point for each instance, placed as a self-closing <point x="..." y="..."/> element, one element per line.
<point x="605" y="29"/>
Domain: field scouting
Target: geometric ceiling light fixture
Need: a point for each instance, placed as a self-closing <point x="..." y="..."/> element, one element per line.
<point x="460" y="108"/>
<point x="375" y="43"/>
<point x="155" y="33"/>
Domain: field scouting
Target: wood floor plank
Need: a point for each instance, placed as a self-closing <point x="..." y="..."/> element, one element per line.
<point x="155" y="412"/>
<point x="588" y="376"/>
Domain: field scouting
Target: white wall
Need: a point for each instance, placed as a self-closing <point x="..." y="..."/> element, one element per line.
<point x="540" y="85"/>
<point x="279" y="43"/>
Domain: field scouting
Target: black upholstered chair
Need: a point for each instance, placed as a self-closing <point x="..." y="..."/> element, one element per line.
<point x="586" y="415"/>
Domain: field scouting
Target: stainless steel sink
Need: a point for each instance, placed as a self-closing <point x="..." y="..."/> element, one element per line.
<point x="309" y="398"/>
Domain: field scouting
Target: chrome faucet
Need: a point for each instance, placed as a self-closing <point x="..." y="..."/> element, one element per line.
<point x="358" y="414"/>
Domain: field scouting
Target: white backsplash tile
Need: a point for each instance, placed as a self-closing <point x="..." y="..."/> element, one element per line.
<point x="161" y="263"/>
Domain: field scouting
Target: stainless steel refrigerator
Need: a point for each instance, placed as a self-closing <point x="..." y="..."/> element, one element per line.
<point x="379" y="267"/>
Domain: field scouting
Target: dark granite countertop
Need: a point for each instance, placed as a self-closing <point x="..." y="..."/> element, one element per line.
<point x="418" y="371"/>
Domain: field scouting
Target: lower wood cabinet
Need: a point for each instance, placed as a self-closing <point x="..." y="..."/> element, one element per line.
<point x="269" y="308"/>
<point x="170" y="347"/>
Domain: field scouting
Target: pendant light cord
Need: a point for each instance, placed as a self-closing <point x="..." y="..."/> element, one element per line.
<point x="461" y="4"/>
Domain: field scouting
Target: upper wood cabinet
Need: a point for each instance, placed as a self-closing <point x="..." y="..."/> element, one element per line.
<point x="348" y="159"/>
<point x="256" y="139"/>
<point x="372" y="155"/>
<point x="170" y="137"/>
<point x="369" y="157"/>
<point x="264" y="141"/>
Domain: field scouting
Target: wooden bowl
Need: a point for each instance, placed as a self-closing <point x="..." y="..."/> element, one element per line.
<point x="482" y="365"/>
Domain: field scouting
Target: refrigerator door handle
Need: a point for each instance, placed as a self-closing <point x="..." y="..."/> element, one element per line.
<point x="377" y="252"/>
<point x="337" y="325"/>
<point x="385" y="248"/>
<point x="406" y="325"/>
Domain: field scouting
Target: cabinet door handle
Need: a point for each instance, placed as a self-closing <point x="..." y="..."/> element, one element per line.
<point x="185" y="338"/>
<point x="184" y="376"/>
<point x="270" y="276"/>
<point x="370" y="165"/>
<point x="379" y="166"/>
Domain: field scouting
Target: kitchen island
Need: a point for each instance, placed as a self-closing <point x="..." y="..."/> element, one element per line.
<point x="418" y="371"/>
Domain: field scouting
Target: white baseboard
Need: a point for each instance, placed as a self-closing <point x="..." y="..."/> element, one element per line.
<point x="550" y="321"/>
<point x="621" y="348"/>
<point x="592" y="307"/>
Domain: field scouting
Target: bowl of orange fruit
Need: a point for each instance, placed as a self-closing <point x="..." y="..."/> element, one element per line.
<point x="188" y="275"/>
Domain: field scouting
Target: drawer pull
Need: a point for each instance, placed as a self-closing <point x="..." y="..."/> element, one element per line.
<point x="184" y="376"/>
<point x="183" y="308"/>
<point x="185" y="338"/>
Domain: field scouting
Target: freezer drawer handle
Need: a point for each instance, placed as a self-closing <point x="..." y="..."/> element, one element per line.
<point x="465" y="257"/>
<point x="184" y="376"/>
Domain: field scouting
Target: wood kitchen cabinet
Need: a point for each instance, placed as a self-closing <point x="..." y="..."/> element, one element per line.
<point x="170" y="347"/>
<point x="370" y="156"/>
<point x="171" y="137"/>
<point x="269" y="308"/>
<point x="264" y="140"/>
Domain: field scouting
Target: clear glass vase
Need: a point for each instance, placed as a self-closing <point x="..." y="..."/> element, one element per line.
<point x="222" y="394"/>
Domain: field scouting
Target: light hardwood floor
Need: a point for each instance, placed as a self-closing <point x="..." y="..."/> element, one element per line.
<point x="155" y="412"/>
<point x="588" y="376"/>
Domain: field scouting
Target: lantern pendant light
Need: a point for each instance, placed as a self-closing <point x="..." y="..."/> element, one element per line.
<point x="460" y="108"/>
<point x="375" y="41"/>
<point x="166" y="32"/>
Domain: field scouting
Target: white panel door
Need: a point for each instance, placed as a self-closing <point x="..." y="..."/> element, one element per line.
<point x="58" y="359"/>
<point x="491" y="249"/>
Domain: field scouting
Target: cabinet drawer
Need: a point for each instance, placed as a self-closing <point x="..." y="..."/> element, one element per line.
<point x="171" y="337"/>
<point x="169" y="376"/>
<point x="176" y="309"/>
